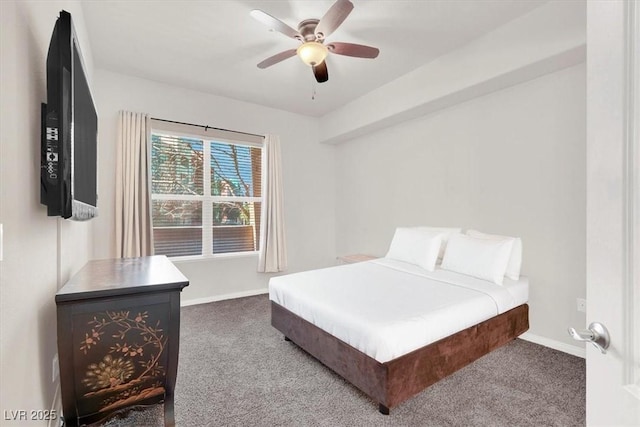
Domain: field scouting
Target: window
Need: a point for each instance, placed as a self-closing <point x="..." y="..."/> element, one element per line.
<point x="205" y="191"/>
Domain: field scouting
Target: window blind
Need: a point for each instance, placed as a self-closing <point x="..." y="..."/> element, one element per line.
<point x="206" y="191"/>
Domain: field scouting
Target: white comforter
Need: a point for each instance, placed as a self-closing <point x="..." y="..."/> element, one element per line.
<point x="388" y="308"/>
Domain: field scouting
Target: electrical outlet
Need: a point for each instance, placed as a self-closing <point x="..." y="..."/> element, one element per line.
<point x="55" y="369"/>
<point x="582" y="304"/>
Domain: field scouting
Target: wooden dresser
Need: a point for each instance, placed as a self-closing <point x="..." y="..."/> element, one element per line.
<point x="118" y="337"/>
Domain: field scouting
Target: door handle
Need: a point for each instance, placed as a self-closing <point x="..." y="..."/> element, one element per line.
<point x="596" y="334"/>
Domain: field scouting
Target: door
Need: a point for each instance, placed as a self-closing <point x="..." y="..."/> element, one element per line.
<point x="613" y="249"/>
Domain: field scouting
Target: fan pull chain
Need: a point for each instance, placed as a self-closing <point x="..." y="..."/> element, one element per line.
<point x="313" y="91"/>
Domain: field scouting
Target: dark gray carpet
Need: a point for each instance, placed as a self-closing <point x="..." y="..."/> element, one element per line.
<point x="236" y="370"/>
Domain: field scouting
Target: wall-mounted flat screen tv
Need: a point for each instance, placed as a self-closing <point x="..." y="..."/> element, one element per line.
<point x="69" y="143"/>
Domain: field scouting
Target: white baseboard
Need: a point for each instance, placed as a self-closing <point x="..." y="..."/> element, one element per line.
<point x="56" y="407"/>
<point x="556" y="345"/>
<point x="214" y="298"/>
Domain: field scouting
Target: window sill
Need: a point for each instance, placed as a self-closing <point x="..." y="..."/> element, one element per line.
<point x="204" y="258"/>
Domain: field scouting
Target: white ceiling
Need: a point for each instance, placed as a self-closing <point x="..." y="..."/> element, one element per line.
<point x="214" y="46"/>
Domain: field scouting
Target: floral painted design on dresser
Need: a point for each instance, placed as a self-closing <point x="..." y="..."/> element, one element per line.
<point x="132" y="369"/>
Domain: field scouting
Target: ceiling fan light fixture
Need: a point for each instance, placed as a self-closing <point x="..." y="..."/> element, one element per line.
<point x="312" y="53"/>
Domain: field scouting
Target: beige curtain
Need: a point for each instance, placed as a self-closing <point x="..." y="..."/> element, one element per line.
<point x="134" y="237"/>
<point x="273" y="248"/>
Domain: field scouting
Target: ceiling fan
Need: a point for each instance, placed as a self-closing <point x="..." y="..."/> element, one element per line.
<point x="312" y="33"/>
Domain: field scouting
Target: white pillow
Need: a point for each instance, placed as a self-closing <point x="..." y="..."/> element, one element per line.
<point x="515" y="261"/>
<point x="415" y="246"/>
<point x="446" y="233"/>
<point x="485" y="259"/>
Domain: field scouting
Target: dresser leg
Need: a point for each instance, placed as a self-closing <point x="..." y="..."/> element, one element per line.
<point x="169" y="414"/>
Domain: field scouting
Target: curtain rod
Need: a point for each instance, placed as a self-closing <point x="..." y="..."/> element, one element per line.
<point x="206" y="127"/>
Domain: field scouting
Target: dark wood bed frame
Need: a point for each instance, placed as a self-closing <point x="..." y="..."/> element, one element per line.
<point x="393" y="382"/>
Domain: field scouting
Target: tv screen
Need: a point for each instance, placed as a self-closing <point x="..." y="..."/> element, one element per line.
<point x="69" y="130"/>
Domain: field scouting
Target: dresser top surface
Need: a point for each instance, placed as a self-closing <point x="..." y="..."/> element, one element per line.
<point x="122" y="276"/>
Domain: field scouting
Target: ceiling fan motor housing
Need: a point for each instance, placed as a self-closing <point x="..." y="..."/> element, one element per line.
<point x="307" y="29"/>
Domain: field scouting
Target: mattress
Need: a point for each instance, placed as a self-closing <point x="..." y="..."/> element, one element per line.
<point x="387" y="308"/>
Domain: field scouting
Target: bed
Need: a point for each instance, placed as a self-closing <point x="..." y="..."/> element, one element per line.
<point x="392" y="328"/>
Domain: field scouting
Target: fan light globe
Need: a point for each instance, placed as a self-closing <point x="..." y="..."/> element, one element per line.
<point x="312" y="53"/>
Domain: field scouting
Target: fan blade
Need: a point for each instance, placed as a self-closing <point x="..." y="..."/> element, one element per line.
<point x="333" y="18"/>
<point x="275" y="24"/>
<point x="277" y="58"/>
<point x="352" y="49"/>
<point x="320" y="72"/>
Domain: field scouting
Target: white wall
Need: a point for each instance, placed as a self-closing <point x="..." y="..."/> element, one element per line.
<point x="308" y="173"/>
<point x="40" y="253"/>
<point x="511" y="162"/>
<point x="548" y="38"/>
